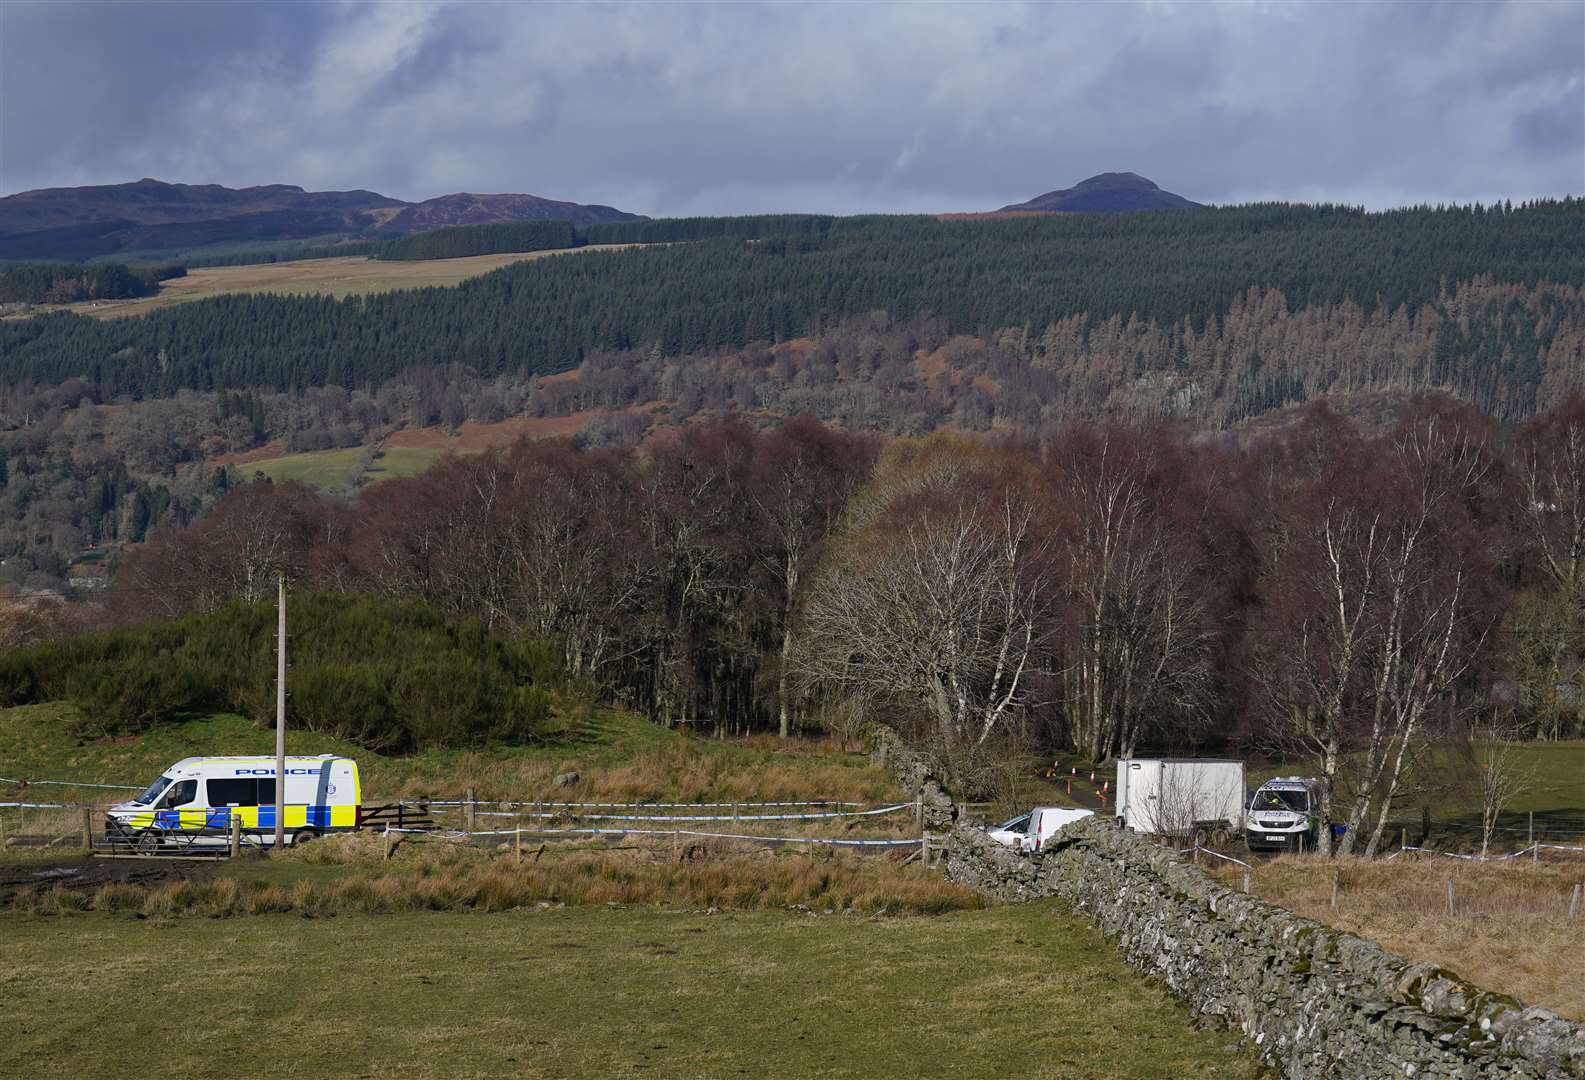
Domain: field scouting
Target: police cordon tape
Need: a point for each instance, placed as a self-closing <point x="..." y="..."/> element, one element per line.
<point x="1532" y="849"/>
<point x="700" y="817"/>
<point x="451" y="834"/>
<point x="536" y="804"/>
<point x="24" y="783"/>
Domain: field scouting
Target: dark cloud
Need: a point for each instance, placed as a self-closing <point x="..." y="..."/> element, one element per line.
<point x="714" y="108"/>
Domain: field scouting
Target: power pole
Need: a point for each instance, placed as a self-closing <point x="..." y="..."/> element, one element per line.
<point x="280" y="715"/>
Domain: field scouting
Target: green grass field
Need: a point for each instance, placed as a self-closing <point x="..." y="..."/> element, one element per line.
<point x="1026" y="991"/>
<point x="331" y="468"/>
<point x="615" y="753"/>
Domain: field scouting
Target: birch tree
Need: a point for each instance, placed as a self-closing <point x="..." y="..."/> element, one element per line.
<point x="1371" y="600"/>
<point x="935" y="598"/>
<point x="1136" y="644"/>
<point x="1546" y="637"/>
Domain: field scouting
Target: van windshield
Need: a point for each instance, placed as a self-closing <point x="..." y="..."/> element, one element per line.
<point x="152" y="792"/>
<point x="1298" y="801"/>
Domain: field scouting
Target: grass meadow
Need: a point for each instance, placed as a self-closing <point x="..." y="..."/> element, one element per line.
<point x="1510" y="930"/>
<point x="332" y="468"/>
<point x="618" y="758"/>
<point x="578" y="993"/>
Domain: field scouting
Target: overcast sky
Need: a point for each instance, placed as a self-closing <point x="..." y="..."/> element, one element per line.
<point x="717" y="108"/>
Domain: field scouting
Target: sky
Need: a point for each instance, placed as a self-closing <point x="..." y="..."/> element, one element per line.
<point x="678" y="108"/>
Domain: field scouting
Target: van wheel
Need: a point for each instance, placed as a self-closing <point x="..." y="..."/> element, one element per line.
<point x="303" y="836"/>
<point x="148" y="842"/>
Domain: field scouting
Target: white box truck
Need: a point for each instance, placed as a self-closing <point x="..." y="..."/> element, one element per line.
<point x="1175" y="796"/>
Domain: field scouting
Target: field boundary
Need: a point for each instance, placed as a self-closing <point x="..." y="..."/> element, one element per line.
<point x="1314" y="1001"/>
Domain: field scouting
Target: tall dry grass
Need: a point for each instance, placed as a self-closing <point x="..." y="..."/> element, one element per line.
<point x="1510" y="930"/>
<point x="693" y="770"/>
<point x="444" y="877"/>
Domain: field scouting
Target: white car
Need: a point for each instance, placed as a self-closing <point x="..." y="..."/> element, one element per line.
<point x="1010" y="833"/>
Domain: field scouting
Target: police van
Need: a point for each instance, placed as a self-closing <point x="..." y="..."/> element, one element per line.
<point x="198" y="796"/>
<point x="1284" y="813"/>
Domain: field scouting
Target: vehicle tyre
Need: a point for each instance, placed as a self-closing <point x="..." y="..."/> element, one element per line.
<point x="303" y="836"/>
<point x="148" y="841"/>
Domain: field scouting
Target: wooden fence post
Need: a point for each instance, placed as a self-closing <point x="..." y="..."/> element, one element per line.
<point x="517" y="843"/>
<point x="468" y="810"/>
<point x="1573" y="904"/>
<point x="1403" y="838"/>
<point x="387" y="855"/>
<point x="236" y="832"/>
<point x="1450" y="896"/>
<point x="1335" y="881"/>
<point x="924" y="849"/>
<point x="88" y="828"/>
<point x="1246" y="881"/>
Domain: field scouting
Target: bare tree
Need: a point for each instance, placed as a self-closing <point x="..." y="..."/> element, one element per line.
<point x="1546" y="638"/>
<point x="1371" y="607"/>
<point x="1501" y="771"/>
<point x="1137" y="643"/>
<point x="801" y="479"/>
<point x="936" y="600"/>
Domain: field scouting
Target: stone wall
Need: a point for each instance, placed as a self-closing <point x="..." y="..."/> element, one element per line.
<point x="1315" y="1002"/>
<point x="917" y="775"/>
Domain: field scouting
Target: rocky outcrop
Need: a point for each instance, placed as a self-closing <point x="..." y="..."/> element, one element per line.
<point x="1314" y="1001"/>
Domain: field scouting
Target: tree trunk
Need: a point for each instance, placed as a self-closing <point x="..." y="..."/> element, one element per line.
<point x="784" y="714"/>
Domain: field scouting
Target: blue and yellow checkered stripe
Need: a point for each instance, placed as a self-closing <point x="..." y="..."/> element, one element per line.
<point x="253" y="817"/>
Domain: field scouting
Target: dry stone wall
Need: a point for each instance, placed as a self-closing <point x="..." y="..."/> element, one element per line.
<point x="1315" y="1002"/>
<point x="918" y="776"/>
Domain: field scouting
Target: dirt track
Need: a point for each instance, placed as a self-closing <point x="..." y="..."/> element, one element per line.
<point x="82" y="872"/>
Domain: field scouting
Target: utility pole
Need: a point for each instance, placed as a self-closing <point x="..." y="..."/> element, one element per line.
<point x="280" y="715"/>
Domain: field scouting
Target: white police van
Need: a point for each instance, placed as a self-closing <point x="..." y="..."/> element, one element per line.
<point x="198" y="796"/>
<point x="1284" y="814"/>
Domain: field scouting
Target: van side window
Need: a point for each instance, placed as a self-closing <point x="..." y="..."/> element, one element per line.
<point x="267" y="792"/>
<point x="234" y="792"/>
<point x="181" y="794"/>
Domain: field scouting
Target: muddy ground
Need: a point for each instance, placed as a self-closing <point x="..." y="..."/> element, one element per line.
<point x="86" y="873"/>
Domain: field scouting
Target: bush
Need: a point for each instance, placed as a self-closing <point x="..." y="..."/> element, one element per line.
<point x="386" y="675"/>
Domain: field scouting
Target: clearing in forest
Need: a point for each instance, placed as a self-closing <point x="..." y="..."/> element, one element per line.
<point x="339" y="277"/>
<point x="335" y="468"/>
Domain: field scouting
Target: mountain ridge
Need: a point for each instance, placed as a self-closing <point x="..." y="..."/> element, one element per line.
<point x="151" y="215"/>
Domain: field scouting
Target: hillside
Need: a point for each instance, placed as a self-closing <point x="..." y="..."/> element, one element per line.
<point x="1103" y="194"/>
<point x="151" y="215"/>
<point x="1171" y="282"/>
<point x="353" y="275"/>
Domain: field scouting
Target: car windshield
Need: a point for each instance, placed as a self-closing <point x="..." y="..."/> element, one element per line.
<point x="152" y="792"/>
<point x="1018" y="824"/>
<point x="1282" y="800"/>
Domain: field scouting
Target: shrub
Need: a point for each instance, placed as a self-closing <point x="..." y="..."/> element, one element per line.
<point x="387" y="675"/>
